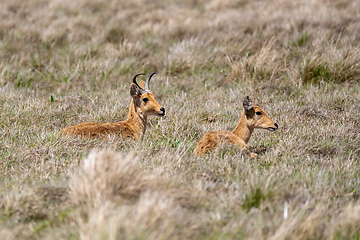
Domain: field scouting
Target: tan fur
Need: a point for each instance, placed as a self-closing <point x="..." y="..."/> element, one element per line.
<point x="133" y="127"/>
<point x="240" y="136"/>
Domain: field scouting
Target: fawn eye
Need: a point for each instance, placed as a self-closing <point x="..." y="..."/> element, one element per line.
<point x="145" y="100"/>
<point x="259" y="113"/>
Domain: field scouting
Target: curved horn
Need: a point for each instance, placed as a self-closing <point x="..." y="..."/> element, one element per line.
<point x="142" y="91"/>
<point x="147" y="88"/>
<point x="134" y="80"/>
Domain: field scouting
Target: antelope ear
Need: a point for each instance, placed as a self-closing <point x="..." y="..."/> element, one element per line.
<point x="248" y="103"/>
<point x="134" y="90"/>
<point x="142" y="84"/>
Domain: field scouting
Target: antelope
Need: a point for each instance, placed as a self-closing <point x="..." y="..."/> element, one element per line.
<point x="252" y="117"/>
<point x="142" y="105"/>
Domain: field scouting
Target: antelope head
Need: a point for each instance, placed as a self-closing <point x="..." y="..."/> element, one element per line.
<point x="256" y="117"/>
<point x="144" y="99"/>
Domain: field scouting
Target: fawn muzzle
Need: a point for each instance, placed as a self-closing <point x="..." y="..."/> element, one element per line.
<point x="275" y="128"/>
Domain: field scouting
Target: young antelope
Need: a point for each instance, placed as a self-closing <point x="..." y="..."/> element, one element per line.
<point x="252" y="117"/>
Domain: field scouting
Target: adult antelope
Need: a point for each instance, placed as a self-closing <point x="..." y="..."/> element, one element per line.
<point x="143" y="104"/>
<point x="252" y="117"/>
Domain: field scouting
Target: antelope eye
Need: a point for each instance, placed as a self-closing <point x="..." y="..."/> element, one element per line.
<point x="145" y="100"/>
<point x="259" y="113"/>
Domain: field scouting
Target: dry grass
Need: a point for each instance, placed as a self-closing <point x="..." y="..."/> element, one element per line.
<point x="66" y="62"/>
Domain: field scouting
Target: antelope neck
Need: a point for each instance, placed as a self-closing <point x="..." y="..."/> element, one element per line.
<point x="136" y="120"/>
<point x="242" y="129"/>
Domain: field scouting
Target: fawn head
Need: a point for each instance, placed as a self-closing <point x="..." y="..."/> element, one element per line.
<point x="144" y="98"/>
<point x="256" y="117"/>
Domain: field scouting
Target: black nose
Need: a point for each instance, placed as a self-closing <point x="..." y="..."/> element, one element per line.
<point x="276" y="126"/>
<point x="162" y="109"/>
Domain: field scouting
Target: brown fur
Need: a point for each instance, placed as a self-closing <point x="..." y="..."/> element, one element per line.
<point x="133" y="127"/>
<point x="241" y="134"/>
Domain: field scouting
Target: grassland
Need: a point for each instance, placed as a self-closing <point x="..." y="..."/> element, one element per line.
<point x="67" y="62"/>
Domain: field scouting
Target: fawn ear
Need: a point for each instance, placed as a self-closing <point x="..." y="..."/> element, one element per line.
<point x="134" y="91"/>
<point x="248" y="103"/>
<point x="142" y="84"/>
